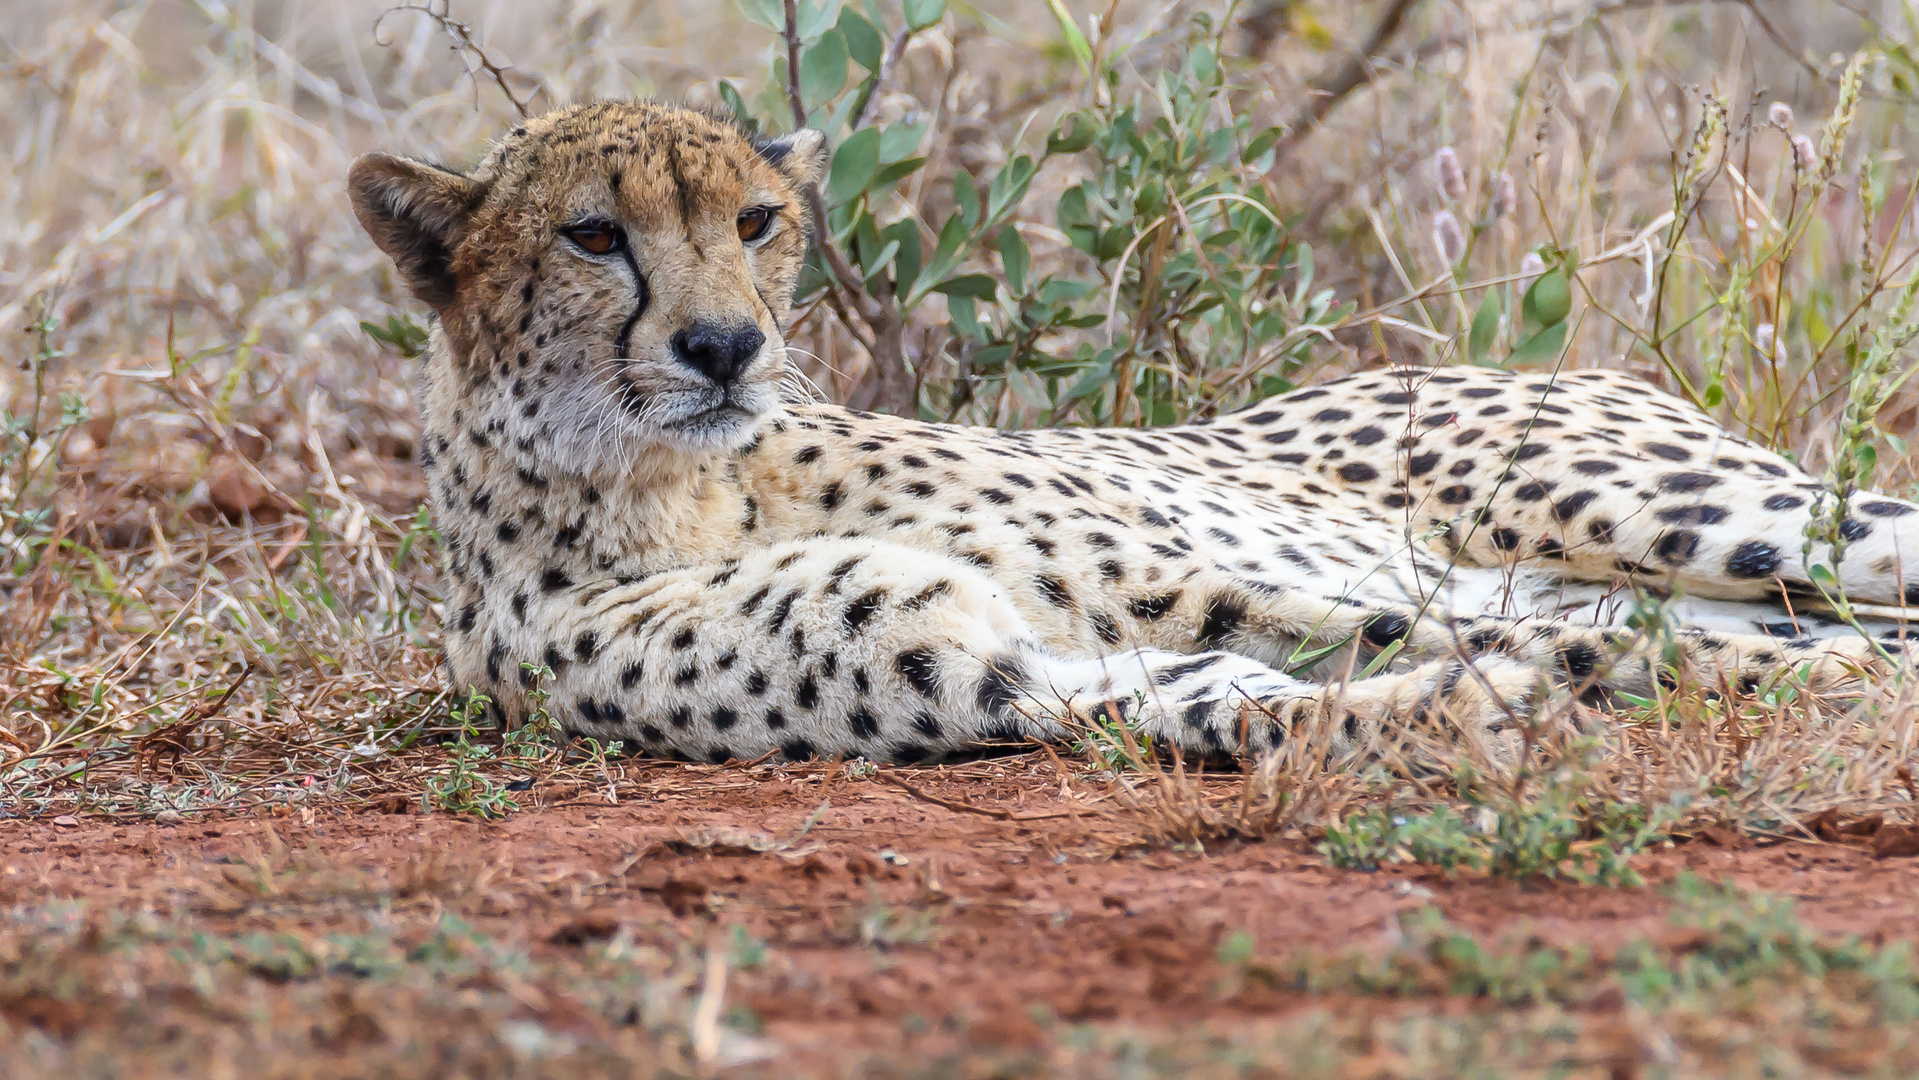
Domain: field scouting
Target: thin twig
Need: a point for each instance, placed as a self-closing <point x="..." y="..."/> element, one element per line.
<point x="441" y="12"/>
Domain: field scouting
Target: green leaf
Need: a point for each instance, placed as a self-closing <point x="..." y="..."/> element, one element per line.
<point x="1015" y="258"/>
<point x="854" y="166"/>
<point x="906" y="265"/>
<point x="872" y="268"/>
<point x="1548" y="301"/>
<point x="823" y="71"/>
<point x="1075" y="132"/>
<point x="1261" y="143"/>
<point x="1867" y="457"/>
<point x="768" y="13"/>
<point x="1073" y="209"/>
<point x="812" y="21"/>
<point x="1009" y="186"/>
<point x="863" y="42"/>
<point x="978" y="286"/>
<point x="1479" y="343"/>
<point x="965" y="315"/>
<point x="1545" y="345"/>
<point x="894" y="173"/>
<point x="946" y="255"/>
<point x="1076" y="42"/>
<point x="921" y="14"/>
<point x="898" y="141"/>
<point x="730" y="97"/>
<point x="966" y="198"/>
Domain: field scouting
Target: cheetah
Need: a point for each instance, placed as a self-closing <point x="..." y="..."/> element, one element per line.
<point x="643" y="518"/>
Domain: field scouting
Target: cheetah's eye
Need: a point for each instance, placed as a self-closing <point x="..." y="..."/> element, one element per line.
<point x="754" y="221"/>
<point x="596" y="237"/>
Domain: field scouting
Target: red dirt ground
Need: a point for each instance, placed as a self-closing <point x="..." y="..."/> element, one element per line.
<point x="998" y="916"/>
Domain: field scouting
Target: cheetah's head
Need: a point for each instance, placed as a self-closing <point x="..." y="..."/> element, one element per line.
<point x="618" y="272"/>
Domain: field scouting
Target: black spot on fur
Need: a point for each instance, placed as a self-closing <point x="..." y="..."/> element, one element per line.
<point x="1692" y="515"/>
<point x="1153" y="607"/>
<point x="921" y="671"/>
<point x="1000" y="686"/>
<point x="1196" y="714"/>
<point x="1569" y="507"/>
<point x="1579" y="661"/>
<point x="1384" y="629"/>
<point x="1171" y="675"/>
<point x="861" y="610"/>
<point x="1677" y="547"/>
<point x="1687" y="481"/>
<point x="1223" y="617"/>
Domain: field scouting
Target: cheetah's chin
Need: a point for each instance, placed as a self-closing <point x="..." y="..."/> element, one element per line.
<point x="719" y="427"/>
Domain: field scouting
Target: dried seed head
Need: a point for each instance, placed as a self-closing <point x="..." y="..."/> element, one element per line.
<point x="1448" y="237"/>
<point x="1780" y="114"/>
<point x="1505" y="195"/>
<point x="1762" y="337"/>
<point x="1804" y="154"/>
<point x="1452" y="180"/>
<point x="1530" y="267"/>
<point x="1832" y="140"/>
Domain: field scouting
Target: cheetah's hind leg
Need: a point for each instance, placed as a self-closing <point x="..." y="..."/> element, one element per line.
<point x="1222" y="703"/>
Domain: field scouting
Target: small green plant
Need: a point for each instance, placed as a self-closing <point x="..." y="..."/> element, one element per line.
<point x="1438" y="837"/>
<point x="462" y="788"/>
<point x="400" y="334"/>
<point x="744" y="951"/>
<point x="1115" y="751"/>
<point x="28" y="450"/>
<point x="1560" y="827"/>
<point x="536" y="739"/>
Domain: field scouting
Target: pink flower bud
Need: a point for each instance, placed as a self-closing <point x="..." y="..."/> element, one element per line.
<point x="1780" y="114"/>
<point x="1448" y="237"/>
<point x="1505" y="195"/>
<point x="1804" y="154"/>
<point x="1452" y="180"/>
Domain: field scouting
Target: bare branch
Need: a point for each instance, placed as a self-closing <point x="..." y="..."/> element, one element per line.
<point x="472" y="54"/>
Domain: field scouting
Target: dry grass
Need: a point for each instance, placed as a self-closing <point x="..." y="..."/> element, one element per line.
<point x="222" y="589"/>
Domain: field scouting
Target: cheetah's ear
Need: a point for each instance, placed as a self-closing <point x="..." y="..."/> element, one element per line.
<point x="799" y="155"/>
<point x="416" y="213"/>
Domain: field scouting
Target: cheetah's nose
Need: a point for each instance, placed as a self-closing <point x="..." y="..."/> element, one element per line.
<point x="718" y="352"/>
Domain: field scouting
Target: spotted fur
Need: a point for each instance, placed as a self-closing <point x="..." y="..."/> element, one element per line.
<point x="713" y="569"/>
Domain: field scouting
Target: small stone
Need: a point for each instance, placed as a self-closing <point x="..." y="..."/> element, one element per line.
<point x="169" y="817"/>
<point x="233" y="489"/>
<point x="67" y="821"/>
